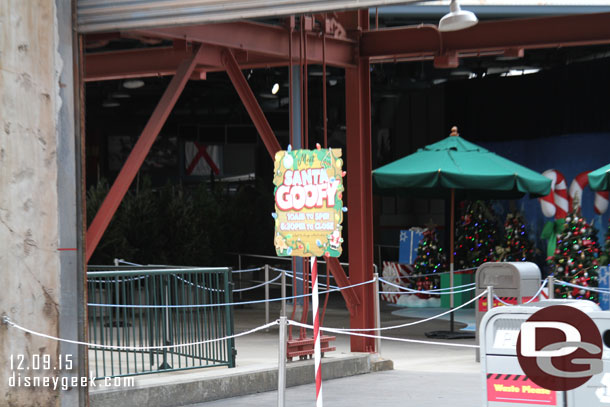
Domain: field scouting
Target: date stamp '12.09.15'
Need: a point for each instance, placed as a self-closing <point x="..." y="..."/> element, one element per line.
<point x="44" y="371"/>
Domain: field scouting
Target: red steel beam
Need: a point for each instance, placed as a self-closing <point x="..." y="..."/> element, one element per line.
<point x="134" y="63"/>
<point x="349" y="295"/>
<point x="163" y="61"/>
<point x="267" y="46"/>
<point x="360" y="194"/>
<point x="139" y="153"/>
<point x="527" y="33"/>
<point x="250" y="103"/>
<point x="264" y="129"/>
<point x="264" y="39"/>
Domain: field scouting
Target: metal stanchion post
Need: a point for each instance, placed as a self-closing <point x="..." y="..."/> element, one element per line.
<point x="267" y="294"/>
<point x="490" y="297"/>
<point x="551" y="287"/>
<point x="283" y="312"/>
<point x="281" y="364"/>
<point x="377" y="312"/>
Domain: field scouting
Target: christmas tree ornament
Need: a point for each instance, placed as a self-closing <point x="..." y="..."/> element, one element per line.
<point x="476" y="241"/>
<point x="577" y="261"/>
<point x="517" y="245"/>
<point x="430" y="261"/>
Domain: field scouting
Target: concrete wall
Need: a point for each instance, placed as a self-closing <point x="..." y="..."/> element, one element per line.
<point x="36" y="146"/>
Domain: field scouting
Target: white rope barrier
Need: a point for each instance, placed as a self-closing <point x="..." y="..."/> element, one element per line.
<point x="387" y="328"/>
<point x="116" y="280"/>
<point x="418" y="291"/>
<point x="247" y="270"/>
<point x="311" y="282"/>
<point x="438" y="273"/>
<point x="564" y="283"/>
<point x="233" y="271"/>
<point x="7" y="320"/>
<point x="388" y="338"/>
<point x="274" y="279"/>
<point x="534" y="297"/>
<point x="222" y="290"/>
<point x="415" y="292"/>
<point x="226" y="303"/>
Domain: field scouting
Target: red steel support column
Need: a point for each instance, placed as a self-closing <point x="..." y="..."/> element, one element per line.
<point x="359" y="195"/>
<point x="251" y="104"/>
<point x="139" y="153"/>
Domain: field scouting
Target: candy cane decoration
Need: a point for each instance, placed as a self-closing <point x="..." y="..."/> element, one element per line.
<point x="316" y="332"/>
<point x="556" y="203"/>
<point x="577" y="186"/>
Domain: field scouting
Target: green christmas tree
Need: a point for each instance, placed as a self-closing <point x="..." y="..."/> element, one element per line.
<point x="605" y="257"/>
<point x="476" y="235"/>
<point x="516" y="244"/>
<point x="576" y="258"/>
<point x="429" y="261"/>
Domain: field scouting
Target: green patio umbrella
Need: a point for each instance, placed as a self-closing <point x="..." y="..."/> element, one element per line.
<point x="599" y="180"/>
<point x="454" y="166"/>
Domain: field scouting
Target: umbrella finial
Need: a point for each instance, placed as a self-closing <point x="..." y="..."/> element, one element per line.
<point x="454" y="131"/>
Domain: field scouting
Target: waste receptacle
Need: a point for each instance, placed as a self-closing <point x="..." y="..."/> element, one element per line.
<point x="504" y="381"/>
<point x="513" y="282"/>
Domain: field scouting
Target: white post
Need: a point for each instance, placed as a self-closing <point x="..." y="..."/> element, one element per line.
<point x="551" y="287"/>
<point x="283" y="312"/>
<point x="317" y="353"/>
<point x="490" y="297"/>
<point x="281" y="364"/>
<point x="267" y="294"/>
<point x="377" y="313"/>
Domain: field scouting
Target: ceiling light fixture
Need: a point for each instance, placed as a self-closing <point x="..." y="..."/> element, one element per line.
<point x="275" y="89"/>
<point x="521" y="72"/>
<point x="110" y="103"/>
<point x="133" y="84"/>
<point x="120" y="95"/>
<point x="457" y="19"/>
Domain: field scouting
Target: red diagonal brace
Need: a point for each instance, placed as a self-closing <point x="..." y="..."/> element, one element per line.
<point x="250" y="103"/>
<point x="139" y="153"/>
<point x="202" y="153"/>
<point x="350" y="296"/>
<point x="264" y="129"/>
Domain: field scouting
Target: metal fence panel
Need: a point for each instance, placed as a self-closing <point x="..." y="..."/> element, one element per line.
<point x="156" y="306"/>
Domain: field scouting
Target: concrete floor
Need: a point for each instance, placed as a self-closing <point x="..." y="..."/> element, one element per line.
<point x="424" y="375"/>
<point x="391" y="388"/>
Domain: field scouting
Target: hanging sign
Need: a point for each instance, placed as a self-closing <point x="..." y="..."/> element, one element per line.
<point x="308" y="202"/>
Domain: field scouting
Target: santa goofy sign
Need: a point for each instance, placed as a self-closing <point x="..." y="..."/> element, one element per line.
<point x="308" y="202"/>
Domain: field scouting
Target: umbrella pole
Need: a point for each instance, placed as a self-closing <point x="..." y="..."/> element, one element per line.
<point x="451" y="249"/>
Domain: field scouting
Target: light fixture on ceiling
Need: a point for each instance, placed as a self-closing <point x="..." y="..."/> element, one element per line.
<point x="275" y="89"/>
<point x="133" y="83"/>
<point x="120" y="95"/>
<point x="521" y="72"/>
<point x="110" y="103"/>
<point x="457" y="19"/>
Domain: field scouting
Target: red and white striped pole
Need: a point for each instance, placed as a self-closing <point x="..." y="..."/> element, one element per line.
<point x="316" y="331"/>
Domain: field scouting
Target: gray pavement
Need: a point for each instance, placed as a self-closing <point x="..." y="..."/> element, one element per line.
<point x="391" y="388"/>
<point x="424" y="376"/>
